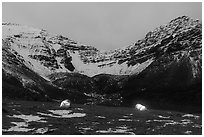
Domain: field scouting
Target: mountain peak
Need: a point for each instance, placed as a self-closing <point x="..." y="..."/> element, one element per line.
<point x="183" y="18"/>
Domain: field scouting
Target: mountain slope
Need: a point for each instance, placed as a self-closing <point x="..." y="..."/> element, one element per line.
<point x="20" y="82"/>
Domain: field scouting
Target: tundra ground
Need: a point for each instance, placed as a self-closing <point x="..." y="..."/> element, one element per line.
<point x="29" y="117"/>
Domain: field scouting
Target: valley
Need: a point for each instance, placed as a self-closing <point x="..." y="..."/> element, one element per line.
<point x="163" y="71"/>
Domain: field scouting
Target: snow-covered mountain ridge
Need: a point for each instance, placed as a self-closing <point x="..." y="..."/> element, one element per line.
<point x="47" y="53"/>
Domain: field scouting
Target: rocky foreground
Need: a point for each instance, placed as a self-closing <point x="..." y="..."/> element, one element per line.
<point x="46" y="118"/>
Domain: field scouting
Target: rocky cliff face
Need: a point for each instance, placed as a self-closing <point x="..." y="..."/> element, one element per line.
<point x="165" y="67"/>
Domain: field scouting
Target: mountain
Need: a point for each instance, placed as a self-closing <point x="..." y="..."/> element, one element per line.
<point x="46" y="54"/>
<point x="174" y="77"/>
<point x="162" y="70"/>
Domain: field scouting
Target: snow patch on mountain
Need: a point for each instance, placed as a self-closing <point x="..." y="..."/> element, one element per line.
<point x="107" y="67"/>
<point x="16" y="30"/>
